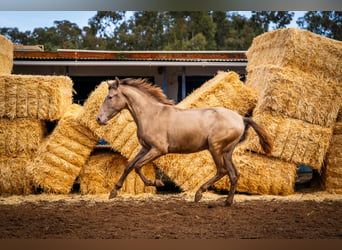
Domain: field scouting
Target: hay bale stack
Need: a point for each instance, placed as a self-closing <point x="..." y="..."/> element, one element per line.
<point x="13" y="176"/>
<point x="20" y="137"/>
<point x="223" y="90"/>
<point x="297" y="49"/>
<point x="293" y="140"/>
<point x="290" y="92"/>
<point x="61" y="156"/>
<point x="37" y="97"/>
<point x="19" y="140"/>
<point x="299" y="93"/>
<point x="332" y="171"/>
<point x="6" y="55"/>
<point x="102" y="171"/>
<point x="261" y="174"/>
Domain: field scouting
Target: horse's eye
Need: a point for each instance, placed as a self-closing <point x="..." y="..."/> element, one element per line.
<point x="110" y="97"/>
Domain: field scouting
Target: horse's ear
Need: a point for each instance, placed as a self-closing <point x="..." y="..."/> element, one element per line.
<point x="113" y="84"/>
<point x="116" y="82"/>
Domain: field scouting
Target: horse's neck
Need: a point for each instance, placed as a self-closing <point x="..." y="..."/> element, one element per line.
<point x="142" y="106"/>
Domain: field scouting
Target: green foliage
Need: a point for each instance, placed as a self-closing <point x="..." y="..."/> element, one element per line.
<point x="172" y="30"/>
<point x="326" y="23"/>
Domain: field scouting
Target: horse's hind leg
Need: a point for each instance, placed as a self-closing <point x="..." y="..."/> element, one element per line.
<point x="233" y="174"/>
<point x="220" y="172"/>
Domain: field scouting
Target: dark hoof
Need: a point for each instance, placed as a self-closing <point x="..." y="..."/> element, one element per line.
<point x="159" y="183"/>
<point x="228" y="203"/>
<point x="113" y="194"/>
<point x="198" y="196"/>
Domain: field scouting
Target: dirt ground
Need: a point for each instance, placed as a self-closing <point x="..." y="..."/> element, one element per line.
<point x="315" y="215"/>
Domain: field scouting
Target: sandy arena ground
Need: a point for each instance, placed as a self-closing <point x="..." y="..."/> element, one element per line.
<point x="314" y="215"/>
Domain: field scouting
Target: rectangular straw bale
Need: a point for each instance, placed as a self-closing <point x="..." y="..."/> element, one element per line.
<point x="224" y="90"/>
<point x="332" y="171"/>
<point x="260" y="174"/>
<point x="293" y="140"/>
<point x="102" y="171"/>
<point x="32" y="96"/>
<point x="20" y="137"/>
<point x="188" y="171"/>
<point x="6" y="55"/>
<point x="296" y="48"/>
<point x="290" y="92"/>
<point x="13" y="176"/>
<point x="62" y="155"/>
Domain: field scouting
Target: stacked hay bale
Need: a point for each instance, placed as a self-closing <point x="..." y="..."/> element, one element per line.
<point x="26" y="102"/>
<point x="6" y="55"/>
<point x="299" y="95"/>
<point x="62" y="154"/>
<point x="102" y="171"/>
<point x="332" y="171"/>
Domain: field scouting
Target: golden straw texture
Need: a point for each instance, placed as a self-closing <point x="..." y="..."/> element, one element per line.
<point x="224" y="90"/>
<point x="332" y="171"/>
<point x="61" y="156"/>
<point x="295" y="94"/>
<point x="13" y="176"/>
<point x="103" y="170"/>
<point x="6" y="55"/>
<point x="296" y="48"/>
<point x="260" y="174"/>
<point x="38" y="97"/>
<point x="293" y="140"/>
<point x="20" y="137"/>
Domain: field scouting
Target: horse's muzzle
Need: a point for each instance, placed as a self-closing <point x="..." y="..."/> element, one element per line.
<point x="100" y="121"/>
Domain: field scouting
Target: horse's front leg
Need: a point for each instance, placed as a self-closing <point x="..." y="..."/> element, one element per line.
<point x="143" y="157"/>
<point x="152" y="154"/>
<point x="128" y="169"/>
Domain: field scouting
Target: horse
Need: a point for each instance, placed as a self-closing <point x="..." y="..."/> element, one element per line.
<point x="164" y="128"/>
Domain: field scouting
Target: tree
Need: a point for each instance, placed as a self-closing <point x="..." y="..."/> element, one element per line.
<point x="69" y="34"/>
<point x="144" y="31"/>
<point x="325" y="23"/>
<point x="190" y="27"/>
<point x="104" y="23"/>
<point x="17" y="36"/>
<point x="279" y="18"/>
<point x="234" y="32"/>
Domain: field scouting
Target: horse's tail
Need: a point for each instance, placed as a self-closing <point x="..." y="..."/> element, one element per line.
<point x="264" y="137"/>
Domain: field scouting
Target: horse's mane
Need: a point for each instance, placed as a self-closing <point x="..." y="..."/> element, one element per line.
<point x="152" y="90"/>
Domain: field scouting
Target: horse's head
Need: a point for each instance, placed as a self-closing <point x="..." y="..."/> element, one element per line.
<point x="112" y="104"/>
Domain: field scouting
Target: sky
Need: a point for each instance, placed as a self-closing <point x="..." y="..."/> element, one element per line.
<point x="28" y="20"/>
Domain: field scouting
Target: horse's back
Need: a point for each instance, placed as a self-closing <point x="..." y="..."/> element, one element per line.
<point x="191" y="130"/>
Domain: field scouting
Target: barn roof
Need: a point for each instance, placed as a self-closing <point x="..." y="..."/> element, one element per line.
<point x="130" y="58"/>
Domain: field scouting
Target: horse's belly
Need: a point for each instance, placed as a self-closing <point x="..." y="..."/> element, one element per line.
<point x="187" y="143"/>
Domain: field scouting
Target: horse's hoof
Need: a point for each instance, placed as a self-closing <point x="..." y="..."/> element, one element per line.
<point x="228" y="203"/>
<point x="159" y="183"/>
<point x="198" y="196"/>
<point x="113" y="194"/>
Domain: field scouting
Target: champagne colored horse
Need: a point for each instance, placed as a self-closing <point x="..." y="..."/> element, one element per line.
<point x="164" y="128"/>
